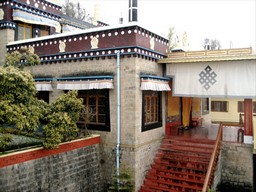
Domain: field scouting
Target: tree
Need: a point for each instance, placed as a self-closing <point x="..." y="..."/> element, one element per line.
<point x="171" y="38"/>
<point x="75" y="10"/>
<point x="18" y="104"/>
<point x="211" y="44"/>
<point x="21" y="59"/>
<point x="21" y="110"/>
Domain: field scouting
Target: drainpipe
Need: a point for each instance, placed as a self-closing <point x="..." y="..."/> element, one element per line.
<point x="118" y="114"/>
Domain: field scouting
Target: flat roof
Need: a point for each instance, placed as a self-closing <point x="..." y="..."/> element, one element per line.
<point x="209" y="55"/>
<point x="78" y="32"/>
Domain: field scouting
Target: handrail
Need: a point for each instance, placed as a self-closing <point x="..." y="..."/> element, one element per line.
<point x="216" y="150"/>
<point x="213" y="163"/>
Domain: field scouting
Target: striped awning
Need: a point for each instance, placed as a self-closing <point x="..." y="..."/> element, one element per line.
<point x="43" y="84"/>
<point x="85" y="83"/>
<point x="154" y="83"/>
<point x="27" y="17"/>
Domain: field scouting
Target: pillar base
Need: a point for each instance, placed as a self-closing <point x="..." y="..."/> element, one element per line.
<point x="248" y="139"/>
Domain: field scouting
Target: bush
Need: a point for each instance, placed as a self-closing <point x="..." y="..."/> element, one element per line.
<point x="5" y="139"/>
<point x="62" y="120"/>
<point x="122" y="182"/>
<point x="59" y="128"/>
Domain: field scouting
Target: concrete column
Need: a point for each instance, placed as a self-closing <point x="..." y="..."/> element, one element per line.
<point x="248" y="127"/>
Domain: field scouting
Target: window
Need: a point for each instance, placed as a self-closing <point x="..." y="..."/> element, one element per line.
<point x="97" y="100"/>
<point x="43" y="95"/>
<point x="151" y="110"/>
<point x="24" y="31"/>
<point x="40" y="31"/>
<point x="219" y="106"/>
<point x="240" y="107"/>
<point x="27" y="31"/>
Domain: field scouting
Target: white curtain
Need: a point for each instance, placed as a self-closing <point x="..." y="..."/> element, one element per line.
<point x="217" y="79"/>
<point x="154" y="85"/>
<point x="85" y="85"/>
<point x="44" y="86"/>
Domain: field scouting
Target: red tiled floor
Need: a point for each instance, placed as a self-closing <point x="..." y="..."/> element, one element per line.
<point x="204" y="132"/>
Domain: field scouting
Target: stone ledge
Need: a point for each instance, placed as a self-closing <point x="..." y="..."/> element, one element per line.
<point x="36" y="153"/>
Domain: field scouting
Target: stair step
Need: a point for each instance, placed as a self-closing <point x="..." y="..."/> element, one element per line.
<point x="178" y="174"/>
<point x="166" y="185"/>
<point x="186" y="149"/>
<point x="190" y="164"/>
<point x="183" y="157"/>
<point x="157" y="189"/>
<point x="190" y="140"/>
<point x="146" y="188"/>
<point x="168" y="168"/>
<point x="179" y="166"/>
<point x="187" y="143"/>
<point x="174" y="178"/>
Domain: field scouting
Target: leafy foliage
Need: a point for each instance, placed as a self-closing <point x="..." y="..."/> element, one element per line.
<point x="122" y="182"/>
<point x="21" y="111"/>
<point x="18" y="105"/>
<point x="62" y="120"/>
<point x="21" y="59"/>
<point x="5" y="139"/>
<point x="60" y="128"/>
<point x="70" y="104"/>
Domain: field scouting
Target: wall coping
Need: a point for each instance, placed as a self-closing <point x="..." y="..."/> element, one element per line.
<point x="40" y="152"/>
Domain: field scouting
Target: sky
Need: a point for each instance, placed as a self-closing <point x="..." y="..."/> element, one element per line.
<point x="232" y="22"/>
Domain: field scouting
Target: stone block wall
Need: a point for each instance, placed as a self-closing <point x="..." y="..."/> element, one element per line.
<point x="6" y="36"/>
<point x="137" y="148"/>
<point x="73" y="167"/>
<point x="237" y="167"/>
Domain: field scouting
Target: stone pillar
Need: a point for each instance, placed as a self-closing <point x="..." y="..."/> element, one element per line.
<point x="248" y="127"/>
<point x="6" y="36"/>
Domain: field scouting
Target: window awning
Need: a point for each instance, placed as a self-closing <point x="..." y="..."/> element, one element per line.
<point x="154" y="83"/>
<point x="35" y="19"/>
<point x="85" y="83"/>
<point x="43" y="84"/>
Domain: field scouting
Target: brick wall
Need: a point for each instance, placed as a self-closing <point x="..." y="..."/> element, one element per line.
<point x="237" y="167"/>
<point x="73" y="167"/>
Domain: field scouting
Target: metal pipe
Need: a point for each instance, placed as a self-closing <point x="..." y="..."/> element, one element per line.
<point x="118" y="114"/>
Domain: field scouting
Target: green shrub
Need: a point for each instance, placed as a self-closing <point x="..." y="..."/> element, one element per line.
<point x="122" y="182"/>
<point x="5" y="139"/>
<point x="62" y="120"/>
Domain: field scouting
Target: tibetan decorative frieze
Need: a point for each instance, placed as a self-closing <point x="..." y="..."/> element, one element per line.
<point x="40" y="5"/>
<point x="96" y="42"/>
<point x="7" y="25"/>
<point x="102" y="53"/>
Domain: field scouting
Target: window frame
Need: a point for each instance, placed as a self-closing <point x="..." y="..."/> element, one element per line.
<point x="90" y="94"/>
<point x="25" y="26"/>
<point x="240" y="107"/>
<point x="222" y="108"/>
<point x="157" y="110"/>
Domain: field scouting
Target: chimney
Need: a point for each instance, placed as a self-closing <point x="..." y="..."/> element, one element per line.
<point x="121" y="19"/>
<point x="133" y="10"/>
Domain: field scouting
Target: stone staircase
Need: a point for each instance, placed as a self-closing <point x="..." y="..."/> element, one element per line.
<point x="180" y="165"/>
